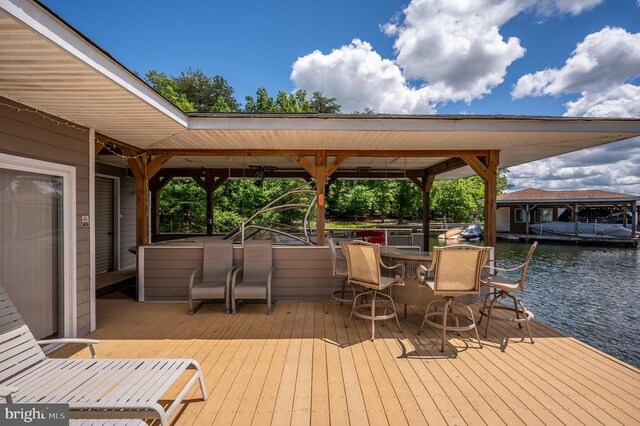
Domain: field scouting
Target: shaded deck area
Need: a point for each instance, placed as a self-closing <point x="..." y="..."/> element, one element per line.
<point x="301" y="366"/>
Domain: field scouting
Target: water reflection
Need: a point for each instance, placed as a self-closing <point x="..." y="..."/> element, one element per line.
<point x="587" y="292"/>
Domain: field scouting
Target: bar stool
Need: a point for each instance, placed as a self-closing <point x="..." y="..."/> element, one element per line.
<point x="363" y="269"/>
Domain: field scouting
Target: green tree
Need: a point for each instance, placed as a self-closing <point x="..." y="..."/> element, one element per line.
<point x="203" y="91"/>
<point x="323" y="105"/>
<point x="283" y="103"/>
<point x="182" y="207"/>
<point x="168" y="88"/>
<point x="365" y="111"/>
<point x="408" y="201"/>
<point x="193" y="90"/>
<point x="359" y="201"/>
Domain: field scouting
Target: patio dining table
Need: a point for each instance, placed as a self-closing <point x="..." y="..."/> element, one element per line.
<point x="412" y="293"/>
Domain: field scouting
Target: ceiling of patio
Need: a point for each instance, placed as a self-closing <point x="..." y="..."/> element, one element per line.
<point x="48" y="65"/>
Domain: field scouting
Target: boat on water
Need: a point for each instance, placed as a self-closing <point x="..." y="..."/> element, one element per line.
<point x="582" y="229"/>
<point x="470" y="233"/>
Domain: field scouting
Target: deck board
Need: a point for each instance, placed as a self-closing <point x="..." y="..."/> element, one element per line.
<point x="302" y="366"/>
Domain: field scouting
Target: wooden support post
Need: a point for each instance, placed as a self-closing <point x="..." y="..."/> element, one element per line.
<point x="527" y="218"/>
<point x="427" y="183"/>
<point x="320" y="175"/>
<point x="635" y="212"/>
<point x="576" y="210"/>
<point x="155" y="210"/>
<point x="138" y="164"/>
<point x="155" y="186"/>
<point x="490" y="198"/>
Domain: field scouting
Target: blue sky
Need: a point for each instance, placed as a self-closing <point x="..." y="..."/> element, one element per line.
<point x="533" y="57"/>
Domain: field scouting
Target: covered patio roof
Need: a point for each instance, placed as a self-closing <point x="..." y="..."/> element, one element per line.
<point x="50" y="66"/>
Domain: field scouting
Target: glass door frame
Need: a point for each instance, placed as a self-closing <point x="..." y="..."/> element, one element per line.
<point x="69" y="326"/>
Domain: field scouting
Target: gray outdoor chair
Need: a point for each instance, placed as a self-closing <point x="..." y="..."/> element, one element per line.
<point x="339" y="267"/>
<point x="93" y="388"/>
<point x="502" y="288"/>
<point x="456" y="272"/>
<point x="256" y="272"/>
<point x="364" y="269"/>
<point x="211" y="281"/>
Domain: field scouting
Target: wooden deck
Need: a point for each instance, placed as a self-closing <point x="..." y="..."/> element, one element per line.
<point x="301" y="366"/>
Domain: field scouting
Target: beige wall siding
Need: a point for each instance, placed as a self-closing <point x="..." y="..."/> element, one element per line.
<point x="29" y="135"/>
<point x="300" y="272"/>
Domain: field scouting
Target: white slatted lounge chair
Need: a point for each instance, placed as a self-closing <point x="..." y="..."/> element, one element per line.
<point x="101" y="388"/>
<point x="257" y="269"/>
<point x="102" y="422"/>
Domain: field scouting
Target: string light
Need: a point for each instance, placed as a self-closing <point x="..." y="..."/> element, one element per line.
<point x="109" y="147"/>
<point x="112" y="149"/>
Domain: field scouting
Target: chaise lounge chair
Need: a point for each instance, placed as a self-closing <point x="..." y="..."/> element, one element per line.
<point x="93" y="388"/>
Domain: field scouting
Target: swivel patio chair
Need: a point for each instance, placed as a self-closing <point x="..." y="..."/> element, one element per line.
<point x="212" y="280"/>
<point x="364" y="269"/>
<point x="256" y="272"/>
<point x="456" y="272"/>
<point x="501" y="288"/>
<point x="339" y="269"/>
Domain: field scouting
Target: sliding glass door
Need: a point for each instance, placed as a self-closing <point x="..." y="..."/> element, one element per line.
<point x="31" y="247"/>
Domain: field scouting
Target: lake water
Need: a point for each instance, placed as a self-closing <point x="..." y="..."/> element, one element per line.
<point x="591" y="293"/>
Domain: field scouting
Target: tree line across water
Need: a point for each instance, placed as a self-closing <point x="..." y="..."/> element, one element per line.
<point x="182" y="202"/>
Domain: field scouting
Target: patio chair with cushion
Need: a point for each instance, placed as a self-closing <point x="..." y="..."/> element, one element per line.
<point x="456" y="272"/>
<point x="504" y="287"/>
<point x="256" y="271"/>
<point x="364" y="269"/>
<point x="212" y="280"/>
<point x="93" y="388"/>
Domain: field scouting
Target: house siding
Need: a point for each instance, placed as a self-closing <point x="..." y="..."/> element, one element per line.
<point x="301" y="273"/>
<point x="28" y="135"/>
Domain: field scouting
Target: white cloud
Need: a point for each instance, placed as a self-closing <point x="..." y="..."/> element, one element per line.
<point x="599" y="168"/>
<point x="444" y="51"/>
<point x="574" y="7"/>
<point x="359" y="77"/>
<point x="601" y="70"/>
<point x="456" y="46"/>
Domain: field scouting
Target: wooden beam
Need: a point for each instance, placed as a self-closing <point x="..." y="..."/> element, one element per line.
<point x="427" y="182"/>
<point x="490" y="199"/>
<point x="201" y="182"/>
<point x="306" y="164"/>
<point x="336" y="163"/>
<point x="156" y="164"/>
<point x="445" y="166"/>
<point x="111" y="141"/>
<point x="98" y="147"/>
<point x="478" y="166"/>
<point x="218" y="182"/>
<point x="310" y="153"/>
<point x="321" y="177"/>
<point x="417" y="182"/>
<point x="236" y="173"/>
